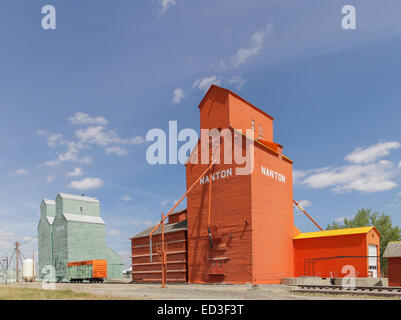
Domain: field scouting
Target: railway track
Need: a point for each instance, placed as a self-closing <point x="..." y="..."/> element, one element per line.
<point x="336" y="289"/>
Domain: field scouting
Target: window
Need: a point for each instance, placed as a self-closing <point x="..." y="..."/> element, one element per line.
<point x="253" y="125"/>
<point x="260" y="131"/>
<point x="81" y="209"/>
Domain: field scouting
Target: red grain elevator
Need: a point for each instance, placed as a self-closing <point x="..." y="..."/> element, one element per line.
<point x="239" y="228"/>
<point x="251" y="216"/>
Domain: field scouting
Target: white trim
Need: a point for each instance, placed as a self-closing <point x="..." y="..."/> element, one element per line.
<point x="49" y="202"/>
<point x="50" y="220"/>
<point x="82" y="218"/>
<point x="80" y="198"/>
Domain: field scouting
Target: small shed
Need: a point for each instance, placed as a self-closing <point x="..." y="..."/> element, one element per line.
<point x="393" y="255"/>
<point x="338" y="253"/>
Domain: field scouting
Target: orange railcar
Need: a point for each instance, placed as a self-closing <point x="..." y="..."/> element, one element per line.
<point x="91" y="270"/>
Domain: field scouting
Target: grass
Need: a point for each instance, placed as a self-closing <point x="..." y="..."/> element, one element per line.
<point x="12" y="293"/>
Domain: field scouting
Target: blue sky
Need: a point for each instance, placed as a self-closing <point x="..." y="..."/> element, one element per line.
<point x="76" y="102"/>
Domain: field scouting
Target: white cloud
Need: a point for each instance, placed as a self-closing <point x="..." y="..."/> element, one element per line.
<point x="99" y="136"/>
<point x="21" y="172"/>
<point x="372" y="153"/>
<point x="94" y="133"/>
<point x="163" y="203"/>
<point x="86" y="184"/>
<point x="116" y="150"/>
<point x="54" y="139"/>
<point x="366" y="177"/>
<point x="76" y="173"/>
<point x="50" y="179"/>
<point x="126" y="198"/>
<point x="71" y="155"/>
<point x="205" y="83"/>
<point x="305" y="203"/>
<point x="85" y="119"/>
<point x="114" y="232"/>
<point x="166" y="4"/>
<point x="237" y="81"/>
<point x="178" y="95"/>
<point x="256" y="45"/>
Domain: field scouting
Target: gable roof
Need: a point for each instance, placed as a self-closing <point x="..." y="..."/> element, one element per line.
<point x="393" y="249"/>
<point x="82" y="218"/>
<point x="171" y="227"/>
<point x="76" y="197"/>
<point x="226" y="91"/>
<point x="49" y="202"/>
<point x="336" y="232"/>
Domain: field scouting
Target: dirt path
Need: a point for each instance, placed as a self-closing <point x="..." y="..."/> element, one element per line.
<point x="193" y="291"/>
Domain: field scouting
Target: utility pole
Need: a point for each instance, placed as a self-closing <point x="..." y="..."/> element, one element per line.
<point x="17" y="258"/>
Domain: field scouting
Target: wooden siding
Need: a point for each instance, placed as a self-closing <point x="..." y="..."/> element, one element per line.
<point x="231" y="231"/>
<point x="394" y="271"/>
<point x="354" y="246"/>
<point x="143" y="270"/>
<point x="272" y="217"/>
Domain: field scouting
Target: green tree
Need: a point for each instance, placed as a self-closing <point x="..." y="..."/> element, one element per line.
<point x="382" y="222"/>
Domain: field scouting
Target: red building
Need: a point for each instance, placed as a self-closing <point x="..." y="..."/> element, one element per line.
<point x="393" y="255"/>
<point x="337" y="253"/>
<point x="175" y="232"/>
<point x="244" y="231"/>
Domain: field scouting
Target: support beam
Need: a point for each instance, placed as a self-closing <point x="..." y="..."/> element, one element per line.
<point x="300" y="208"/>
<point x="176" y="205"/>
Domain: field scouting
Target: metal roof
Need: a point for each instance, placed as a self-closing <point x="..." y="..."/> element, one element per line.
<point x="171" y="227"/>
<point x="83" y="218"/>
<point x="80" y="198"/>
<point x="49" y="202"/>
<point x="336" y="232"/>
<point x="393" y="249"/>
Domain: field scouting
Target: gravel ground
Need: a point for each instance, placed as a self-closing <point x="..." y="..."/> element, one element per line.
<point x="193" y="291"/>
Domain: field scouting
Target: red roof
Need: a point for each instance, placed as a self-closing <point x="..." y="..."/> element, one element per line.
<point x="226" y="91"/>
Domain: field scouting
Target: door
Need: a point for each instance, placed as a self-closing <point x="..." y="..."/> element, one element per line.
<point x="372" y="265"/>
